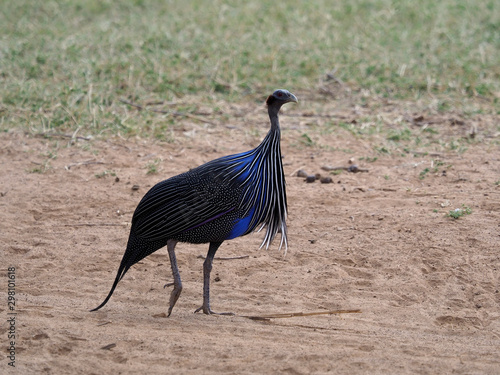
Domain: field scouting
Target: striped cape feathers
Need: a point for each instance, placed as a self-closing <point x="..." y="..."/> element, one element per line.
<point x="251" y="183"/>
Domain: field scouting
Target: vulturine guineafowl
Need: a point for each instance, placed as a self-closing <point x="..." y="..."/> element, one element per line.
<point x="217" y="201"/>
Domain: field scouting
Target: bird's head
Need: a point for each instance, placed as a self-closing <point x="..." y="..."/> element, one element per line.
<point x="280" y="97"/>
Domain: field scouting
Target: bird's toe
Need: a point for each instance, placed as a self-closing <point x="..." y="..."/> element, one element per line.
<point x="208" y="311"/>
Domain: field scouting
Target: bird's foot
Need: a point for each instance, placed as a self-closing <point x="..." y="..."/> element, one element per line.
<point x="176" y="292"/>
<point x="208" y="311"/>
<point x="167" y="285"/>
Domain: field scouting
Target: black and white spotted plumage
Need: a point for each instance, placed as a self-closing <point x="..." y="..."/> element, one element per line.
<point x="223" y="199"/>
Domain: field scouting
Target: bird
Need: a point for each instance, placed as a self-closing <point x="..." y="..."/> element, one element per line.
<point x="220" y="200"/>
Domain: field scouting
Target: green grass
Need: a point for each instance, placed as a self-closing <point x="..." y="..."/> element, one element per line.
<point x="105" y="173"/>
<point x="65" y="64"/>
<point x="152" y="167"/>
<point x="423" y="173"/>
<point x="306" y="140"/>
<point x="459" y="212"/>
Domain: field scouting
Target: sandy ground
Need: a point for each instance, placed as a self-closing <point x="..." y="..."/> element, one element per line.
<point x="427" y="285"/>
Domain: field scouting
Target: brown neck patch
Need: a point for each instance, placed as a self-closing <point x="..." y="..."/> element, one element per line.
<point x="270" y="100"/>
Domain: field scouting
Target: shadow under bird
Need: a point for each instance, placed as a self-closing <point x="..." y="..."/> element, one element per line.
<point x="223" y="199"/>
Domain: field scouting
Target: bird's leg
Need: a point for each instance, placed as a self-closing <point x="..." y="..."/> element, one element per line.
<point x="176" y="292"/>
<point x="207" y="268"/>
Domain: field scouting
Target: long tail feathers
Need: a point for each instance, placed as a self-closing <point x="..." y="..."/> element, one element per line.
<point x="121" y="272"/>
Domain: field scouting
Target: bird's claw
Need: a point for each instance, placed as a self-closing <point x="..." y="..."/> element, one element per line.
<point x="208" y="311"/>
<point x="174" y="295"/>
<point x="167" y="285"/>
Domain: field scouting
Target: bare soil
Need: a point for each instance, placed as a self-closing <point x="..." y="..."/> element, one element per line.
<point x="427" y="285"/>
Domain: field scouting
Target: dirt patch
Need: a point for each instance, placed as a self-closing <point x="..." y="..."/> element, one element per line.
<point x="427" y="285"/>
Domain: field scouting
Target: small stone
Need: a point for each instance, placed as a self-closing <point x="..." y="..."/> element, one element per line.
<point x="40" y="336"/>
<point x="310" y="179"/>
<point x="326" y="180"/>
<point x="135" y="187"/>
<point x="302" y="173"/>
<point x="160" y="315"/>
<point x="353" y="168"/>
<point x="108" y="347"/>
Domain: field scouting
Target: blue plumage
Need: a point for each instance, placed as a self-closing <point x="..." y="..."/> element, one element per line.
<point x="242" y="226"/>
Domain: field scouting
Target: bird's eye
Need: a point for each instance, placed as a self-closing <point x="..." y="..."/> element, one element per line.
<point x="280" y="94"/>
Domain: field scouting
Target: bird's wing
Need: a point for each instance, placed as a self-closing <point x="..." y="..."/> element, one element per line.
<point x="180" y="203"/>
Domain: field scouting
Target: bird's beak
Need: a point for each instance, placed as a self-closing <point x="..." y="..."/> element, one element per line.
<point x="293" y="98"/>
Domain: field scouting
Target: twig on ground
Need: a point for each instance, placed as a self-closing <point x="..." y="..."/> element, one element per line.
<point x="311" y="115"/>
<point x="292" y="315"/>
<point x="434" y="154"/>
<point x="119" y="144"/>
<point x="103" y="324"/>
<point x="87" y="162"/>
<point x="161" y="102"/>
<point x="72" y="136"/>
<point x="352" y="168"/>
<point x="226" y="258"/>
